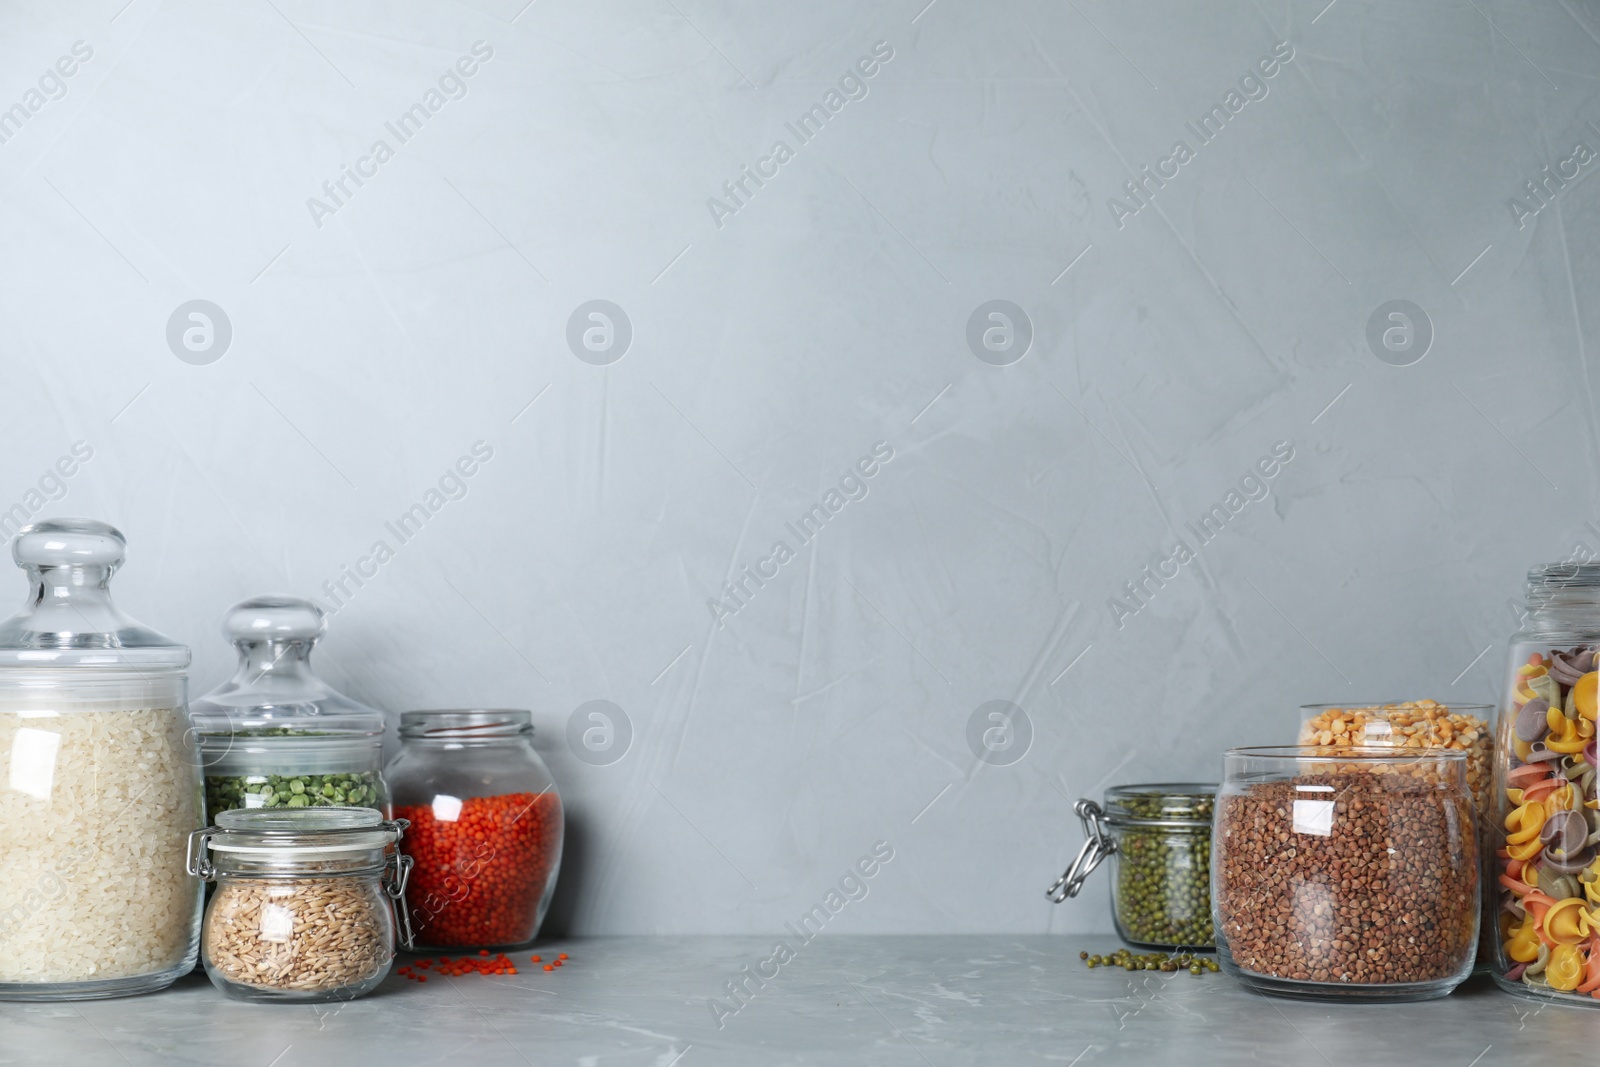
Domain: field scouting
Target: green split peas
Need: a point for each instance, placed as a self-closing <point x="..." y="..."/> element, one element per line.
<point x="225" y="792"/>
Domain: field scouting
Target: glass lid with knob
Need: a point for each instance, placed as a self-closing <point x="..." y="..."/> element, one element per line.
<point x="321" y="836"/>
<point x="274" y="691"/>
<point x="69" y="620"/>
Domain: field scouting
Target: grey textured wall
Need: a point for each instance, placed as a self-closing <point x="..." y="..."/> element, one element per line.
<point x="1160" y="349"/>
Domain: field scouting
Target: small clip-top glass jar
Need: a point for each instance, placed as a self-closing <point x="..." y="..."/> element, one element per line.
<point x="275" y="735"/>
<point x="101" y="786"/>
<point x="486" y="827"/>
<point x="1546" y="908"/>
<point x="1160" y="836"/>
<point x="302" y="909"/>
<point x="1346" y="873"/>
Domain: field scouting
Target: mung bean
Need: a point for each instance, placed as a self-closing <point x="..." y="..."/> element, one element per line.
<point x="1163" y="893"/>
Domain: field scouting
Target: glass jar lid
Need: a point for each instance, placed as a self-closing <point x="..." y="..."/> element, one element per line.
<point x="335" y="840"/>
<point x="69" y="619"/>
<point x="1374" y="755"/>
<point x="274" y="693"/>
<point x="301" y="831"/>
<point x="1166" y="805"/>
<point x="1562" y="596"/>
<point x="465" y="724"/>
<point x="1172" y="804"/>
<point x="1554" y="577"/>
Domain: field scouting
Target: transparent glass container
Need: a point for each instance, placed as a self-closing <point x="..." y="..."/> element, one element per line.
<point x="303" y="907"/>
<point x="1420" y="724"/>
<point x="486" y="827"/>
<point x="1410" y="724"/>
<point x="1545" y="873"/>
<point x="275" y="735"/>
<point x="1159" y="838"/>
<point x="102" y="786"/>
<point x="1346" y="874"/>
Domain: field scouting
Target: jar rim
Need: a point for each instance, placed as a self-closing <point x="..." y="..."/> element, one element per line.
<point x="257" y="726"/>
<point x="1175" y="789"/>
<point x="457" y="724"/>
<point x="331" y="819"/>
<point x="1177" y="801"/>
<point x="292" y="741"/>
<point x="366" y="843"/>
<point x="1349" y="753"/>
<point x="1392" y="705"/>
<point x="1568" y="574"/>
<point x="294" y="832"/>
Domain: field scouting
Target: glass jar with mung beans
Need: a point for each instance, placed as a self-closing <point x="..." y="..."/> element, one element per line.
<point x="1160" y="836"/>
<point x="275" y="735"/>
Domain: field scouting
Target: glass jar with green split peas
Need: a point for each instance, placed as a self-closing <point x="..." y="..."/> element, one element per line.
<point x="1160" y="836"/>
<point x="275" y="735"/>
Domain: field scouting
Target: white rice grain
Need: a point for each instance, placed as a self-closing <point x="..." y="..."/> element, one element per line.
<point x="92" y="879"/>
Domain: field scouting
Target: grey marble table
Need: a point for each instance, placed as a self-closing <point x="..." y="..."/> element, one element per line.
<point x="917" y="1001"/>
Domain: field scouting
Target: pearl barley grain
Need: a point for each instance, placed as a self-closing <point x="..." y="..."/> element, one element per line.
<point x="302" y="935"/>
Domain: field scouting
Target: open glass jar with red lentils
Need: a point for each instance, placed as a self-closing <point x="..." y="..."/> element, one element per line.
<point x="486" y="827"/>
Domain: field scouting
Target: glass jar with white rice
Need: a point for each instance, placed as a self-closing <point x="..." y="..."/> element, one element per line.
<point x="99" y="783"/>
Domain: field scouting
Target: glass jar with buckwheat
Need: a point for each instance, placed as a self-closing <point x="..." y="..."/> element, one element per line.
<point x="1346" y="873"/>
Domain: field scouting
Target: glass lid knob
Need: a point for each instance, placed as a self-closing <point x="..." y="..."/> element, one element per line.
<point x="274" y="618"/>
<point x="69" y="543"/>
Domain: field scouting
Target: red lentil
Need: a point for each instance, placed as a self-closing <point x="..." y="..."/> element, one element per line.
<point x="483" y="963"/>
<point x="479" y="879"/>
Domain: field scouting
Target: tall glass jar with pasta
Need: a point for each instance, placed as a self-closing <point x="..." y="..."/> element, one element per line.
<point x="1546" y="870"/>
<point x="101" y="787"/>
